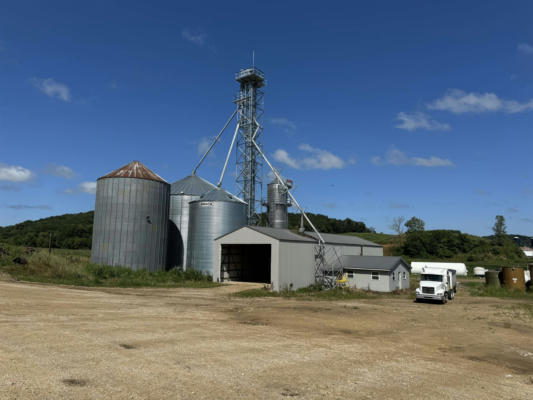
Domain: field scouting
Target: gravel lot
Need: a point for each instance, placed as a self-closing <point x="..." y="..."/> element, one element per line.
<point x="76" y="343"/>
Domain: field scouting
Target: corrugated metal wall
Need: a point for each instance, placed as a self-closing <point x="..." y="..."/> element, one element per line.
<point x="207" y="221"/>
<point x="179" y="215"/>
<point x="131" y="223"/>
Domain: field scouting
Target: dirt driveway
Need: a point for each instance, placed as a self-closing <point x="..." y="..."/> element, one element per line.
<point x="68" y="343"/>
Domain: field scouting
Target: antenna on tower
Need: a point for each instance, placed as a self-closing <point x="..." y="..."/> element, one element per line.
<point x="253" y="58"/>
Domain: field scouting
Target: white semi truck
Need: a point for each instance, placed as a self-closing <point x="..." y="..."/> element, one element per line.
<point x="437" y="284"/>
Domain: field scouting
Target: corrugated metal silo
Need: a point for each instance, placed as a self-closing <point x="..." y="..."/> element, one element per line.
<point x="277" y="205"/>
<point x="131" y="219"/>
<point x="182" y="192"/>
<point x="216" y="213"/>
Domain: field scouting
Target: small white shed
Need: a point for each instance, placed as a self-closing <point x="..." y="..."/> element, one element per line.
<point x="376" y="273"/>
<point x="460" y="268"/>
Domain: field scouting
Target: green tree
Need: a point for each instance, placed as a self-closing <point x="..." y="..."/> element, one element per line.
<point x="415" y="225"/>
<point x="499" y="227"/>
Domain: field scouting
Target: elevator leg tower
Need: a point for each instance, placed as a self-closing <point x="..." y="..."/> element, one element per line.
<point x="249" y="102"/>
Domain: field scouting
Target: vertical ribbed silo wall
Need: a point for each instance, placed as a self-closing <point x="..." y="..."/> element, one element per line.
<point x="277" y="203"/>
<point x="207" y="221"/>
<point x="179" y="215"/>
<point x="131" y="223"/>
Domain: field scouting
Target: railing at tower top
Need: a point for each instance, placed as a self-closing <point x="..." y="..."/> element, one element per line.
<point x="248" y="72"/>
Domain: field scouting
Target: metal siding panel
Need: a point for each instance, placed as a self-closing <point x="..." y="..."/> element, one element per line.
<point x="296" y="265"/>
<point x="121" y="209"/>
<point x="206" y="223"/>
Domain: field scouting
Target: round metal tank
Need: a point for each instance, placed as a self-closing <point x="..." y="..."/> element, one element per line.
<point x="513" y="278"/>
<point x="277" y="205"/>
<point x="131" y="219"/>
<point x="182" y="192"/>
<point x="216" y="213"/>
<point x="491" y="278"/>
<point x="531" y="271"/>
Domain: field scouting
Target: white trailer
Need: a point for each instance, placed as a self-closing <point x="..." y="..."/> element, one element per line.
<point x="437" y="284"/>
<point x="460" y="268"/>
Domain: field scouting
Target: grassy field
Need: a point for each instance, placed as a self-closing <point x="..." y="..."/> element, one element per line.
<point x="73" y="267"/>
<point x="478" y="288"/>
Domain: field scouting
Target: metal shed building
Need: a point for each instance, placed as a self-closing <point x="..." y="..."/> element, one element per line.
<point x="278" y="256"/>
<point x="267" y="255"/>
<point x="377" y="273"/>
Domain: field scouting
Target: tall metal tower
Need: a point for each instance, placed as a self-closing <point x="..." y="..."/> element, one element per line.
<point x="249" y="102"/>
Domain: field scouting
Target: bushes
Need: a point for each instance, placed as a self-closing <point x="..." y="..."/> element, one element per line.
<point x="72" y="267"/>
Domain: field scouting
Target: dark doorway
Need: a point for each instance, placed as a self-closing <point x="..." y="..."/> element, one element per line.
<point x="175" y="247"/>
<point x="245" y="263"/>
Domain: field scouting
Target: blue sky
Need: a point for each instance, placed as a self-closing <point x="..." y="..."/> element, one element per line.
<point x="374" y="109"/>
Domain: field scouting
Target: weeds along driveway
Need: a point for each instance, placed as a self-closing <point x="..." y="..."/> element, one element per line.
<point x="64" y="343"/>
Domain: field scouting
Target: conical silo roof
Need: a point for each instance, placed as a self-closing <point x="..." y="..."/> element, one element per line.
<point x="134" y="169"/>
<point x="219" y="194"/>
<point x="192" y="185"/>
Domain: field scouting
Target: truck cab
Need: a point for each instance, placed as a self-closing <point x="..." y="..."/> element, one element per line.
<point x="437" y="284"/>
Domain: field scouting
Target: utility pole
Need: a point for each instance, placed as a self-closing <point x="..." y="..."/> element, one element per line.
<point x="50" y="244"/>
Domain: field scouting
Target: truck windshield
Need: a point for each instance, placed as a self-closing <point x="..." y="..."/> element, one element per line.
<point x="429" y="277"/>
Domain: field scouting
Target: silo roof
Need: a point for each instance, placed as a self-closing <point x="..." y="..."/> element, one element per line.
<point x="219" y="194"/>
<point x="193" y="185"/>
<point x="134" y="169"/>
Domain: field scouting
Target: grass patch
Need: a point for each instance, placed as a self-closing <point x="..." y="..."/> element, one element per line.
<point x="72" y="267"/>
<point x="315" y="293"/>
<point x="481" y="290"/>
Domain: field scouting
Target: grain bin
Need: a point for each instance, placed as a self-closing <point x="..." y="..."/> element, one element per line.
<point x="182" y="192"/>
<point x="131" y="219"/>
<point x="277" y="204"/>
<point x="491" y="278"/>
<point x="216" y="213"/>
<point x="513" y="278"/>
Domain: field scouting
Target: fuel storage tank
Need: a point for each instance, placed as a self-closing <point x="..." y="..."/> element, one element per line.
<point x="277" y="204"/>
<point x="216" y="213"/>
<point x="131" y="219"/>
<point x="182" y="192"/>
<point x="513" y="278"/>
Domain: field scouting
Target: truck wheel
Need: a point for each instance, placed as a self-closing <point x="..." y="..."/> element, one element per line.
<point x="445" y="298"/>
<point x="451" y="296"/>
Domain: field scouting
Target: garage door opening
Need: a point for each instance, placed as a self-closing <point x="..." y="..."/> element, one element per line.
<point x="245" y="263"/>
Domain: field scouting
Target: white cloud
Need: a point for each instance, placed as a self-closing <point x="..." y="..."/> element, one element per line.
<point x="319" y="159"/>
<point x="59" y="170"/>
<point x="15" y="173"/>
<point x="525" y="48"/>
<point x="399" y="158"/>
<point x="197" y="37"/>
<point x="459" y="102"/>
<point x="287" y="125"/>
<point x="52" y="88"/>
<point x="283" y="157"/>
<point x="84" y="187"/>
<point x="419" y="120"/>
<point x="203" y="145"/>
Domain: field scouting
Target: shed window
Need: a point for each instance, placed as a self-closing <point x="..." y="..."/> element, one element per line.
<point x="404" y="276"/>
<point x="393" y="276"/>
<point x="375" y="276"/>
<point x="350" y="274"/>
